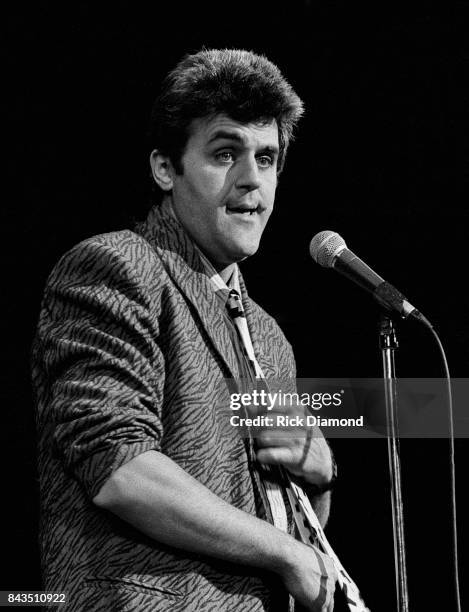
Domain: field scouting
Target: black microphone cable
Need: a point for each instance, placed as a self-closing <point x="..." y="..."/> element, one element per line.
<point x="451" y="462"/>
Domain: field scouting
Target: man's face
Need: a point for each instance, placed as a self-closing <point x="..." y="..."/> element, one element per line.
<point x="226" y="192"/>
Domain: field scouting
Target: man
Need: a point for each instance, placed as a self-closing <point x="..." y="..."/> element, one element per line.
<point x="150" y="501"/>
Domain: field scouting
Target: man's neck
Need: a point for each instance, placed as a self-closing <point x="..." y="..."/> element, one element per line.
<point x="224" y="271"/>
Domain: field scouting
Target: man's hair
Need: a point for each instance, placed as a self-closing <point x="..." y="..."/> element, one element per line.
<point x="245" y="86"/>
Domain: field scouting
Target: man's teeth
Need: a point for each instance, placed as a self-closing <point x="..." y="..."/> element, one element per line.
<point x="251" y="211"/>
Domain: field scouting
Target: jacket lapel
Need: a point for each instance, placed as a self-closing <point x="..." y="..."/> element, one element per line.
<point x="260" y="344"/>
<point x="251" y="321"/>
<point x="183" y="264"/>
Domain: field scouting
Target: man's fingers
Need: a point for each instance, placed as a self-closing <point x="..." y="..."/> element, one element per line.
<point x="280" y="438"/>
<point x="277" y="456"/>
<point x="329" y="605"/>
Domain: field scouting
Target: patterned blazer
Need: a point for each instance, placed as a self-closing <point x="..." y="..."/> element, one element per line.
<point x="130" y="355"/>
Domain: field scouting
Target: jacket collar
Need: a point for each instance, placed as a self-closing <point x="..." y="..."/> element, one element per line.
<point x="183" y="263"/>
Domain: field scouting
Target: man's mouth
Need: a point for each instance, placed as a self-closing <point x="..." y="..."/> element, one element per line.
<point x="246" y="210"/>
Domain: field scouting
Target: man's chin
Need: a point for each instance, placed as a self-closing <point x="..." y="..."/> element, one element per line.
<point x="244" y="252"/>
<point x="234" y="253"/>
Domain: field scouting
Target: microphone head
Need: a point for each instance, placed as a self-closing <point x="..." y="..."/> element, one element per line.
<point x="325" y="247"/>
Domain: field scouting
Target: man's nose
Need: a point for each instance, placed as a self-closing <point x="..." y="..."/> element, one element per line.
<point x="248" y="175"/>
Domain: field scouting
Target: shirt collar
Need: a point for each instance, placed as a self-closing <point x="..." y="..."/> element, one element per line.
<point x="216" y="280"/>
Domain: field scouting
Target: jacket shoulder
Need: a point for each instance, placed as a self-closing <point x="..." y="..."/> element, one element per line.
<point x="115" y="254"/>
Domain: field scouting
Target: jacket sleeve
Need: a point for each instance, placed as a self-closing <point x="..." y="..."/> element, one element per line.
<point x="102" y="369"/>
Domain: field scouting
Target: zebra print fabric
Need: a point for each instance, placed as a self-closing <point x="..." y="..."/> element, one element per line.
<point x="130" y="351"/>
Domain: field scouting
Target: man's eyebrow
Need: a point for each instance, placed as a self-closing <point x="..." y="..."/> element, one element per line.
<point x="235" y="136"/>
<point x="225" y="135"/>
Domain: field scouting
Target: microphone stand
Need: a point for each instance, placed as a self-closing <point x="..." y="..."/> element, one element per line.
<point x="388" y="344"/>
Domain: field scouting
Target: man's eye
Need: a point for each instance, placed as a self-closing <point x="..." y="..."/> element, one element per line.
<point x="265" y="161"/>
<point x="225" y="156"/>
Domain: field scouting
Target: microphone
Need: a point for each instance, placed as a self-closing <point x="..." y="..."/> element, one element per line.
<point x="329" y="250"/>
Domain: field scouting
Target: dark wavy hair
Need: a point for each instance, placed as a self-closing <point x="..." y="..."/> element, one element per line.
<point x="245" y="86"/>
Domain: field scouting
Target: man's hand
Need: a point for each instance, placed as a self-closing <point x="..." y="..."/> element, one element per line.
<point x="310" y="578"/>
<point x="301" y="449"/>
<point x="157" y="497"/>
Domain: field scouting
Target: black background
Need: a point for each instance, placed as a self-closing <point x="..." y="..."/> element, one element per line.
<point x="379" y="158"/>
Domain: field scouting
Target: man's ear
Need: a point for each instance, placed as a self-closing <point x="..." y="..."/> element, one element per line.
<point x="162" y="170"/>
